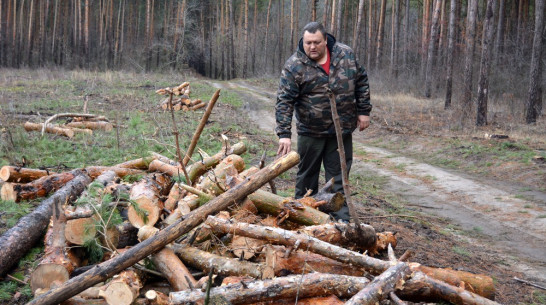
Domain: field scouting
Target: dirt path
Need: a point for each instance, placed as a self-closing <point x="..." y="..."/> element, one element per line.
<point x="505" y="226"/>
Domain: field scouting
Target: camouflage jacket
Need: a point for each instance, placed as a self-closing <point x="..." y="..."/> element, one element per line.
<point x="303" y="86"/>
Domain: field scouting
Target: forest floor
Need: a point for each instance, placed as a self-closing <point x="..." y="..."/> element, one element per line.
<point x="488" y="217"/>
<point x="455" y="198"/>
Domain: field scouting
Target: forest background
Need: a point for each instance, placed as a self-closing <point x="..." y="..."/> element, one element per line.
<point x="463" y="51"/>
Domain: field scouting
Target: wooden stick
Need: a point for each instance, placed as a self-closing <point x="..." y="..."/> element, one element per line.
<point x="109" y="268"/>
<point x="175" y="132"/>
<point x="342" y="160"/>
<point x="199" y="129"/>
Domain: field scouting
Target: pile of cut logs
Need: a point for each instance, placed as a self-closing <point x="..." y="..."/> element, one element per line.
<point x="218" y="227"/>
<point x="80" y="123"/>
<point x="182" y="100"/>
<point x="207" y="233"/>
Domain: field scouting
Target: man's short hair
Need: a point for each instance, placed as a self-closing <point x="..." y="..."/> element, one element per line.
<point x="313" y="27"/>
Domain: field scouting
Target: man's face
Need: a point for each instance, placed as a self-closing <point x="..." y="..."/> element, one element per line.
<point x="314" y="45"/>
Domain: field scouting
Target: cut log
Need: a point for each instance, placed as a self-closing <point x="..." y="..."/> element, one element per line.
<point x="214" y="182"/>
<point x="304" y="286"/>
<point x="345" y="235"/>
<point x="168" y="263"/>
<point x="199" y="168"/>
<point x="56" y="264"/>
<point x="272" y="204"/>
<point x="93" y="125"/>
<point x="334" y="201"/>
<point x="79" y="231"/>
<point x="423" y="288"/>
<point x="140" y="163"/>
<point x="95" y="171"/>
<point x="123" y="289"/>
<point x="20" y="238"/>
<point x="22" y="174"/>
<point x="197" y="106"/>
<point x="128" y="235"/>
<point x="175" y="195"/>
<point x="195" y="102"/>
<point x="220" y="265"/>
<point x="162" y="158"/>
<point x="375" y="266"/>
<point x="67" y="132"/>
<point x="35" y="189"/>
<point x="299" y="262"/>
<point x="246" y="248"/>
<point x="168" y="235"/>
<point x="82" y="301"/>
<point x="145" y="194"/>
<point x="382" y="285"/>
<point x="156" y="298"/>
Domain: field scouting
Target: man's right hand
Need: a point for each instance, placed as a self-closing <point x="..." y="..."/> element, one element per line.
<point x="285" y="145"/>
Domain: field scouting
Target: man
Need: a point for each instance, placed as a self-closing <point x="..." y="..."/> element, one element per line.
<point x="321" y="63"/>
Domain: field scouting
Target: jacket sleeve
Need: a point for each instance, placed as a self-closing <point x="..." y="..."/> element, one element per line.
<point x="362" y="91"/>
<point x="286" y="97"/>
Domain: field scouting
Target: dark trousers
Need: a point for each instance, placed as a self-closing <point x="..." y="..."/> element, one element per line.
<point x="316" y="151"/>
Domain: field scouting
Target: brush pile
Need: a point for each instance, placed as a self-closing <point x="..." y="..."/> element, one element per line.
<point x="179" y="99"/>
<point x="159" y="231"/>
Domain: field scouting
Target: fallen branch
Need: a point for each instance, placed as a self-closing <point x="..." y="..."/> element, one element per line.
<point x="65" y="115"/>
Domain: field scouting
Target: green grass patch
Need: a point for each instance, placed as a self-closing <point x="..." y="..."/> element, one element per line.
<point x="12" y="212"/>
<point x="461" y="251"/>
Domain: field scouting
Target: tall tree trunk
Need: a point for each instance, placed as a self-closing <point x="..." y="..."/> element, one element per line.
<point x="533" y="106"/>
<point x="380" y="34"/>
<point x="245" y="48"/>
<point x="370" y="34"/>
<point x="356" y="32"/>
<point x="314" y="10"/>
<point x="148" y="34"/>
<point x="483" y="81"/>
<point x="292" y="22"/>
<point x="339" y="16"/>
<point x="395" y="30"/>
<point x="231" y="29"/>
<point x="265" y="54"/>
<point x="450" y="51"/>
<point x="425" y="34"/>
<point x="441" y="34"/>
<point x="86" y="31"/>
<point x="333" y="16"/>
<point x="406" y="34"/>
<point x="432" y="47"/>
<point x="30" y="32"/>
<point x="325" y="14"/>
<point x="466" y="102"/>
<point x="499" y="45"/>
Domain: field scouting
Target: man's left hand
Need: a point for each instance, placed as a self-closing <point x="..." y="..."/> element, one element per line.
<point x="363" y="122"/>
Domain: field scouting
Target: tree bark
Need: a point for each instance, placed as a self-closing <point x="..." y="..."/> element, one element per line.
<point x="533" y="105"/>
<point x="395" y="32"/>
<point x="108" y="269"/>
<point x="380" y="34"/>
<point x="22" y="174"/>
<point x="432" y="47"/>
<point x="219" y="264"/>
<point x="450" y="53"/>
<point x="382" y="285"/>
<point x="466" y="103"/>
<point x="308" y="285"/>
<point x="38" y="188"/>
<point x="499" y="44"/>
<point x="123" y="289"/>
<point x="483" y="80"/>
<point x="20" y="238"/>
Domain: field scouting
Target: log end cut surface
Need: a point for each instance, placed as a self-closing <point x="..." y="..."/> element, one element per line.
<point x="47" y="275"/>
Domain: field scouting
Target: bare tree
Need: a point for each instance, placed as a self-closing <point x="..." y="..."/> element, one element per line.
<point x="406" y="34"/>
<point x="356" y="32"/>
<point x="499" y="46"/>
<point x="533" y="106"/>
<point x="432" y="47"/>
<point x="245" y="50"/>
<point x="395" y="31"/>
<point x="483" y="80"/>
<point x="370" y="34"/>
<point x="466" y="103"/>
<point x="380" y="33"/>
<point x="450" y="50"/>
